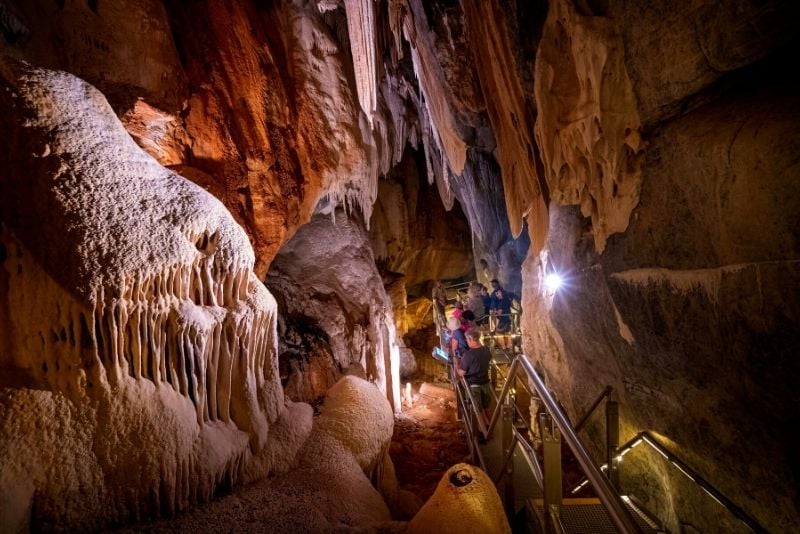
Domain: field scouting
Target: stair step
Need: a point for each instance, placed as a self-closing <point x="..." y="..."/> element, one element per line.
<point x="588" y="516"/>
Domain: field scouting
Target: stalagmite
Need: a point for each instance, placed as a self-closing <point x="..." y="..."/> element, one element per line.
<point x="140" y="316"/>
<point x="464" y="501"/>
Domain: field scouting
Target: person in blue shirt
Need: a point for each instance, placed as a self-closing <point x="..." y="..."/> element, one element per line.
<point x="458" y="340"/>
<point x="500" y="305"/>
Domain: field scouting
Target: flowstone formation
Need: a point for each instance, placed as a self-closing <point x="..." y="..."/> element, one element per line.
<point x="138" y="347"/>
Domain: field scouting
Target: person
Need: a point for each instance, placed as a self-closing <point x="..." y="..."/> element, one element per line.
<point x="474" y="367"/>
<point x="475" y="302"/>
<point x="467" y="320"/>
<point x="500" y="306"/>
<point x="459" y="310"/>
<point x="487" y="299"/>
<point x="439" y="298"/>
<point x="458" y="340"/>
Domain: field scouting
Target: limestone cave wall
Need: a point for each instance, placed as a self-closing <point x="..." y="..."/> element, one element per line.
<point x="335" y="315"/>
<point x="681" y="263"/>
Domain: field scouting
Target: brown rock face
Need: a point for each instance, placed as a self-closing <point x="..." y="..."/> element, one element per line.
<point x="411" y="233"/>
<point x="260" y="119"/>
<point x="688" y="313"/>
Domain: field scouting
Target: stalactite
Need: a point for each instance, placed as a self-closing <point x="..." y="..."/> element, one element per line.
<point x="433" y="89"/>
<point x="363" y="44"/>
<point x="593" y="158"/>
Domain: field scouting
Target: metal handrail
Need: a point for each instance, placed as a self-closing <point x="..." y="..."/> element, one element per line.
<point x="683" y="467"/>
<point x="461" y="284"/>
<point x="603" y="395"/>
<point x="606" y="493"/>
<point x="479" y="416"/>
<point x="613" y="503"/>
<point x="691" y="474"/>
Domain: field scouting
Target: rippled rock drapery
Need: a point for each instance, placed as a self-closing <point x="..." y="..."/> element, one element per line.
<point x="332" y="296"/>
<point x="686" y="313"/>
<point x="587" y="126"/>
<point x="138" y="345"/>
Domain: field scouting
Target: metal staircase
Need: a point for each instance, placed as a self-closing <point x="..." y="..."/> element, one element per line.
<point x="521" y="448"/>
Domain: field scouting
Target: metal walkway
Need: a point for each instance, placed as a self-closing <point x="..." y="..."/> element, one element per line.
<point x="520" y="448"/>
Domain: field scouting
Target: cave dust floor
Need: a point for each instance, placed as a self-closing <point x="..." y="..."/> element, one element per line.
<point x="427" y="439"/>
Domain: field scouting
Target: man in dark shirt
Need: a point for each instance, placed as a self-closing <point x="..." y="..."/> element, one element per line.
<point x="474" y="367"/>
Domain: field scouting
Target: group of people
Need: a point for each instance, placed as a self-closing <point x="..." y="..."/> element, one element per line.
<point x="470" y="358"/>
<point x="480" y="303"/>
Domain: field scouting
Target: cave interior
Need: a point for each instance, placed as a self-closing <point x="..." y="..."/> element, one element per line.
<point x="254" y="200"/>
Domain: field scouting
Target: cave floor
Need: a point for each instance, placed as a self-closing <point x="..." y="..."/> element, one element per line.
<point x="427" y="439"/>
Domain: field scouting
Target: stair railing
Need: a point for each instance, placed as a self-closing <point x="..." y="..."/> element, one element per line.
<point x="647" y="438"/>
<point x="553" y="424"/>
<point x="607" y="487"/>
<point x="607" y="494"/>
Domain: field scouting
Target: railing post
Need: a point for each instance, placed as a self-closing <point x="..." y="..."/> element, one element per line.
<point x="551" y="446"/>
<point x="459" y="401"/>
<point x="508" y="443"/>
<point x="612" y="442"/>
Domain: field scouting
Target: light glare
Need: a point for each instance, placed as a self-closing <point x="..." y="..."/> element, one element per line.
<point x="552" y="281"/>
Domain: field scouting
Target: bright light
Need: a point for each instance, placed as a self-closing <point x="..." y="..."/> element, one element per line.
<point x="552" y="281"/>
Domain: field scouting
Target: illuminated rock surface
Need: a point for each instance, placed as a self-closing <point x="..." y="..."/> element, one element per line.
<point x="645" y="150"/>
<point x="336" y="485"/>
<point x="149" y="342"/>
<point x="334" y="308"/>
<point x="465" y="499"/>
